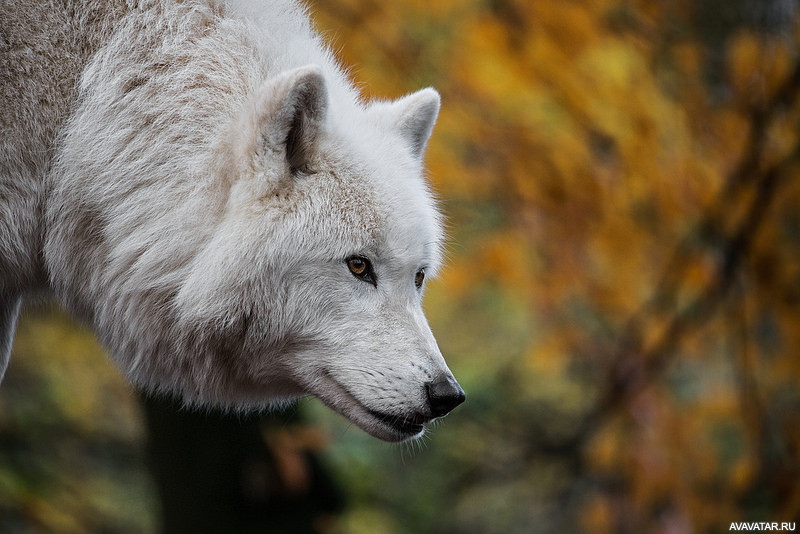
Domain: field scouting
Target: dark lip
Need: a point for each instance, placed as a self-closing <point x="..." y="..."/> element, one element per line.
<point x="403" y="424"/>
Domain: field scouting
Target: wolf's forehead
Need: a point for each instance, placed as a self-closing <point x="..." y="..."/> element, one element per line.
<point x="411" y="225"/>
<point x="385" y="206"/>
<point x="380" y="193"/>
<point x="379" y="212"/>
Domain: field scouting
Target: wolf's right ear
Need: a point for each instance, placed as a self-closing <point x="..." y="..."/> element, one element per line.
<point x="412" y="116"/>
<point x="283" y="119"/>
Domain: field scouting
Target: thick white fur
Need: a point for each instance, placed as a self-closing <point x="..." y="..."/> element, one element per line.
<point x="161" y="206"/>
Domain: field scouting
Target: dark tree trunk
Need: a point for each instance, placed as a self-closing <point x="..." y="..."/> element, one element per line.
<point x="218" y="472"/>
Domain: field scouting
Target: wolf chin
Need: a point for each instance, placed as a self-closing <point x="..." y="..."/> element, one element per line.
<point x="199" y="182"/>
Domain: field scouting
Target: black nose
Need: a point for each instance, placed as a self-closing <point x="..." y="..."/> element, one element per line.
<point x="444" y="394"/>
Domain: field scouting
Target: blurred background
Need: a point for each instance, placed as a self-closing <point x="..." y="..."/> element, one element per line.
<point x="622" y="185"/>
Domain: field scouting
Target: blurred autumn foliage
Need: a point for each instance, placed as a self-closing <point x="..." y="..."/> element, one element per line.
<point x="622" y="184"/>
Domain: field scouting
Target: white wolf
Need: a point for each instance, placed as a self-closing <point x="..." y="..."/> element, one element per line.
<point x="199" y="182"/>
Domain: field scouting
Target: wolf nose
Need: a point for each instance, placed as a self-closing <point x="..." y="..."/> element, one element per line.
<point x="444" y="394"/>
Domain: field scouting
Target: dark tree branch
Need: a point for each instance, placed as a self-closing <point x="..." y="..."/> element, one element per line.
<point x="635" y="365"/>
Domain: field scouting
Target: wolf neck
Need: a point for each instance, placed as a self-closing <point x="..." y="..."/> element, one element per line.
<point x="45" y="46"/>
<point x="209" y="56"/>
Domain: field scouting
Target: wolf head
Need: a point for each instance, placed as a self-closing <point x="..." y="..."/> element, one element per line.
<point x="312" y="280"/>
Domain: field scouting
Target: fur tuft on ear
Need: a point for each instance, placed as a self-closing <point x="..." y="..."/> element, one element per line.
<point x="413" y="116"/>
<point x="288" y="113"/>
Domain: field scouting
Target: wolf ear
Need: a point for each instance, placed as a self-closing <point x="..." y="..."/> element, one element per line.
<point x="413" y="116"/>
<point x="287" y="114"/>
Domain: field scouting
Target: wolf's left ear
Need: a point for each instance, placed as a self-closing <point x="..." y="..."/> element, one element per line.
<point x="287" y="114"/>
<point x="413" y="116"/>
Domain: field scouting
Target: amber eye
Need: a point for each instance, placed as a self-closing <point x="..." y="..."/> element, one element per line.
<point x="357" y="266"/>
<point x="419" y="278"/>
<point x="361" y="268"/>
